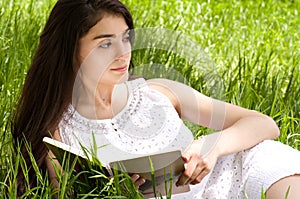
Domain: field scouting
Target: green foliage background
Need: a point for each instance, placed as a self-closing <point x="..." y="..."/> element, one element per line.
<point x="253" y="45"/>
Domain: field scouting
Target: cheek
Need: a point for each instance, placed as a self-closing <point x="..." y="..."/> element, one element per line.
<point x="95" y="64"/>
<point x="98" y="59"/>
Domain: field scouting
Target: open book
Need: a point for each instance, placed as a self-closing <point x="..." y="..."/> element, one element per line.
<point x="160" y="169"/>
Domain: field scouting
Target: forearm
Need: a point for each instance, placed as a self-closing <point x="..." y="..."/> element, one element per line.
<point x="245" y="133"/>
<point x="201" y="156"/>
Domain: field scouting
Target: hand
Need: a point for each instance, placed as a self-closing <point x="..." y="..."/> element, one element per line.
<point x="197" y="166"/>
<point x="138" y="181"/>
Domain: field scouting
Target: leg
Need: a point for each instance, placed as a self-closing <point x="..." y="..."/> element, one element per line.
<point x="279" y="189"/>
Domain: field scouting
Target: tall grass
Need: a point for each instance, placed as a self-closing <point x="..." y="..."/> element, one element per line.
<point x="253" y="47"/>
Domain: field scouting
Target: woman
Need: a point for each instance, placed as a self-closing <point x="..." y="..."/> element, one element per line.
<point x="78" y="84"/>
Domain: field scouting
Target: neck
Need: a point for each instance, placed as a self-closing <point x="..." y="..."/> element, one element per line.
<point x="103" y="95"/>
<point x="91" y="96"/>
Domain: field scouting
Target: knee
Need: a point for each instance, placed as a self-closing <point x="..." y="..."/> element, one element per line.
<point x="287" y="187"/>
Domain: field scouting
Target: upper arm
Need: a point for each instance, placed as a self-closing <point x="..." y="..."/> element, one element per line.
<point x="198" y="108"/>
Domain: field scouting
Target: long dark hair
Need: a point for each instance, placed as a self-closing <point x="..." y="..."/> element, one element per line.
<point x="48" y="86"/>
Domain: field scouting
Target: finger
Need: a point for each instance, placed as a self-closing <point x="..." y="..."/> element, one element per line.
<point x="198" y="170"/>
<point x="139" y="182"/>
<point x="199" y="178"/>
<point x="186" y="157"/>
<point x="188" y="172"/>
<point x="135" y="177"/>
<point x="200" y="167"/>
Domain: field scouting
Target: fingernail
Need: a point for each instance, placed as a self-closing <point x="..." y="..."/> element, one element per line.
<point x="136" y="176"/>
<point x="186" y="157"/>
<point x="185" y="165"/>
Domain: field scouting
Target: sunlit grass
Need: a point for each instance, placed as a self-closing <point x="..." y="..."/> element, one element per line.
<point x="253" y="46"/>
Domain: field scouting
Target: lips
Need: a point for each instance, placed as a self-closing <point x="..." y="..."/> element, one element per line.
<point x="120" y="69"/>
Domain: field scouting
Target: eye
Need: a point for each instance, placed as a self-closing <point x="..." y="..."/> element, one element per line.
<point x="126" y="38"/>
<point x="105" y="44"/>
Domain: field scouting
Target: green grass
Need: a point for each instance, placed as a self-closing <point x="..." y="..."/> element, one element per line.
<point x="251" y="46"/>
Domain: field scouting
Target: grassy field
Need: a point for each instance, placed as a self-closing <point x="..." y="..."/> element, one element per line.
<point x="250" y="50"/>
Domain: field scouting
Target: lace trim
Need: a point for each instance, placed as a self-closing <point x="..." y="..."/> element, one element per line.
<point x="147" y="123"/>
<point x="133" y="104"/>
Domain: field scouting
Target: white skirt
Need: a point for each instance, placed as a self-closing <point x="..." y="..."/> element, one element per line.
<point x="247" y="173"/>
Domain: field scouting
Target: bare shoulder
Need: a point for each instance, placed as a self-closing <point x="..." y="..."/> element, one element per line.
<point x="172" y="89"/>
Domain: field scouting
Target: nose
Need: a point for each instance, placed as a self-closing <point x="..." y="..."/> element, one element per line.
<point x="124" y="57"/>
<point x="123" y="49"/>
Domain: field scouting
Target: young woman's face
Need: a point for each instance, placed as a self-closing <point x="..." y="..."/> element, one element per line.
<point x="105" y="52"/>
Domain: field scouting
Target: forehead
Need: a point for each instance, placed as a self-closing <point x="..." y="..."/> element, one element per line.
<point x="109" y="24"/>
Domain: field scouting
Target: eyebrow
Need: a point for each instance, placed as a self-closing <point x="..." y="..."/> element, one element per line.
<point x="109" y="35"/>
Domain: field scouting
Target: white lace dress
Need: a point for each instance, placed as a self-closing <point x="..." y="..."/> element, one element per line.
<point x="149" y="123"/>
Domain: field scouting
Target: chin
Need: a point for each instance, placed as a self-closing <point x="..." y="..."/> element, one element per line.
<point x="123" y="79"/>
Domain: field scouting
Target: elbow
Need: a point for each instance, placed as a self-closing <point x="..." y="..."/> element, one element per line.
<point x="274" y="129"/>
